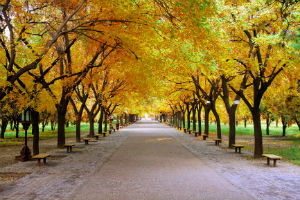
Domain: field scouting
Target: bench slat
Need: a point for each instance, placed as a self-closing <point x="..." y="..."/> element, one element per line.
<point x="40" y="156"/>
<point x="238" y="145"/>
<point x="272" y="156"/>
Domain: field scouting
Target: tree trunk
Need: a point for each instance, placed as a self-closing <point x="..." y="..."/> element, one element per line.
<point x="43" y="126"/>
<point x="258" y="145"/>
<point x="121" y="120"/>
<point x="298" y="124"/>
<point x="219" y="135"/>
<point x="276" y="123"/>
<point x="35" y="132"/>
<point x="78" y="132"/>
<point x="100" y="121"/>
<point x="3" y="127"/>
<point x="199" y="120"/>
<point x="245" y="123"/>
<point x="194" y="116"/>
<point x="92" y="128"/>
<point x="268" y="124"/>
<point x="231" y="128"/>
<point x="183" y="120"/>
<point x="188" y="117"/>
<point x="284" y="125"/>
<point x="126" y="119"/>
<point x="61" y="118"/>
<point x="52" y="125"/>
<point x="105" y="121"/>
<point x="206" y="119"/>
<point x="11" y="122"/>
<point x="17" y="128"/>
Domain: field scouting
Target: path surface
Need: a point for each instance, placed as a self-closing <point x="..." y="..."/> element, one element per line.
<point x="152" y="161"/>
<point x="151" y="164"/>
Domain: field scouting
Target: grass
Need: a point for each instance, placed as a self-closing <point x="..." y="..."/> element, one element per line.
<point x="249" y="130"/>
<point x="292" y="153"/>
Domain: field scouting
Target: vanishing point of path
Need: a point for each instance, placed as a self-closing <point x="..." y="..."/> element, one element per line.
<point x="152" y="161"/>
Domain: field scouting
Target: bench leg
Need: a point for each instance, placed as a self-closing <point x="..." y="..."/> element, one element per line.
<point x="268" y="161"/>
<point x="39" y="161"/>
<point x="240" y="150"/>
<point x="70" y="149"/>
<point x="235" y="149"/>
<point x="44" y="161"/>
<point x="274" y="163"/>
<point x="86" y="142"/>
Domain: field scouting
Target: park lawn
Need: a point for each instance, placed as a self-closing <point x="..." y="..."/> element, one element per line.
<point x="249" y="130"/>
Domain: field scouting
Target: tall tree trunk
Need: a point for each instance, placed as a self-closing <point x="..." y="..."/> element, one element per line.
<point x="245" y="123"/>
<point x="78" y="132"/>
<point x="199" y="119"/>
<point x="35" y="132"/>
<point x="276" y="123"/>
<point x="92" y="128"/>
<point x="121" y="120"/>
<point x="206" y="119"/>
<point x="105" y="121"/>
<point x="126" y="119"/>
<point x="43" y="126"/>
<point x="268" y="124"/>
<point x="231" y="128"/>
<point x="17" y="128"/>
<point x="194" y="116"/>
<point x="3" y="127"/>
<point x="298" y="123"/>
<point x="11" y="123"/>
<point x="52" y="125"/>
<point x="100" y="121"/>
<point x="258" y="147"/>
<point x="61" y="118"/>
<point x="183" y="120"/>
<point x="219" y="135"/>
<point x="284" y="125"/>
<point x="188" y="117"/>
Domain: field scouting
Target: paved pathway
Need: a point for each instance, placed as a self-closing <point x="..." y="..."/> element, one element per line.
<point x="151" y="164"/>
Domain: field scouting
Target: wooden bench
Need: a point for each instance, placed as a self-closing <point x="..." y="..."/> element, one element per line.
<point x="86" y="140"/>
<point x="218" y="141"/>
<point x="96" y="136"/>
<point x="271" y="157"/>
<point x="104" y="134"/>
<point x="204" y="137"/>
<point x="238" y="147"/>
<point x="69" y="147"/>
<point x="195" y="133"/>
<point x="41" y="156"/>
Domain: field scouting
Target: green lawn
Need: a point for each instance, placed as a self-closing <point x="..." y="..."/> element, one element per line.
<point x="249" y="130"/>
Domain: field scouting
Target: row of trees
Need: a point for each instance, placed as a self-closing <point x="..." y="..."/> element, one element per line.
<point x="79" y="55"/>
<point x="250" y="56"/>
